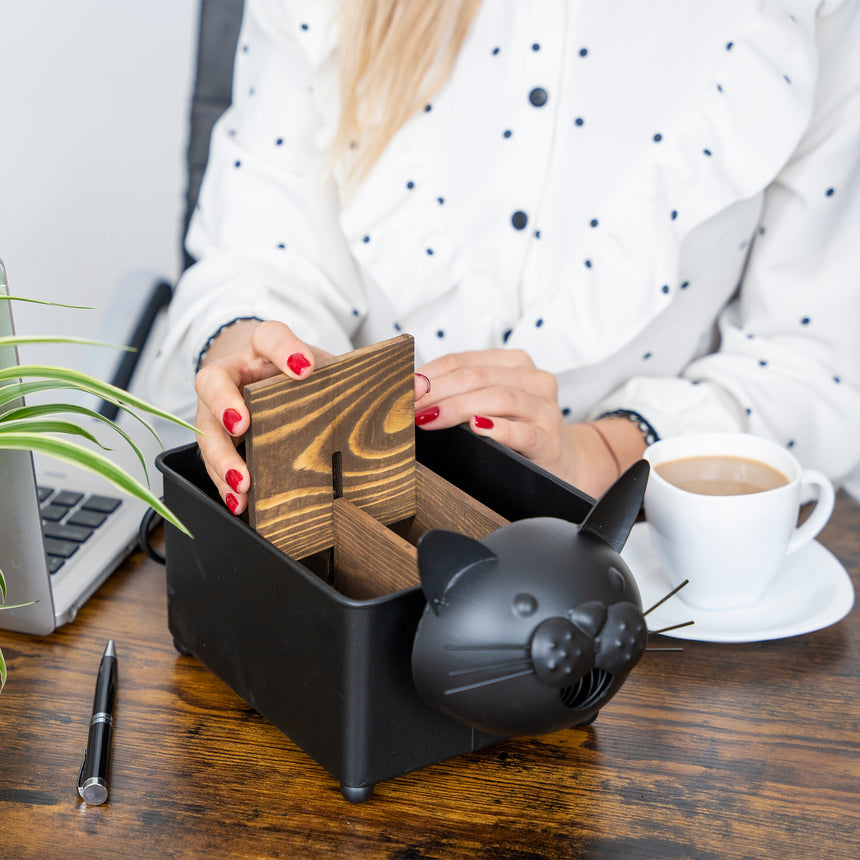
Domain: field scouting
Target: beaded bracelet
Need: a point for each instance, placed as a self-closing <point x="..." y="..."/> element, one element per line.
<point x="649" y="434"/>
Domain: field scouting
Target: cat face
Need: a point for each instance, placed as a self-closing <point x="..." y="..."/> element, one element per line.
<point x="535" y="627"/>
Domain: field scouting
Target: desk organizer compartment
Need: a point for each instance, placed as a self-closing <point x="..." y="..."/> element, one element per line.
<point x="316" y="617"/>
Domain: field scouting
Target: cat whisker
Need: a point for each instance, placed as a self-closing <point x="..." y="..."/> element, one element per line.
<point x="672" y="627"/>
<point x="662" y="600"/>
<point x="488" y="683"/>
<point x="493" y="667"/>
<point x="664" y="649"/>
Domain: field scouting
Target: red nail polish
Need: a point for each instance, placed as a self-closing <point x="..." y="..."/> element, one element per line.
<point x="232" y="502"/>
<point x="298" y="363"/>
<point x="483" y="423"/>
<point x="427" y="415"/>
<point x="233" y="478"/>
<point x="231" y="418"/>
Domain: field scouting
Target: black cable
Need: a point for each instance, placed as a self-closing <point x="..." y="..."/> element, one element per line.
<point x="147" y="523"/>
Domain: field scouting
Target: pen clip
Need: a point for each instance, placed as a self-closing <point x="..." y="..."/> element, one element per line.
<point x="81" y="774"/>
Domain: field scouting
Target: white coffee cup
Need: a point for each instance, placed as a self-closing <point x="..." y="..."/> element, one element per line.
<point x="730" y="547"/>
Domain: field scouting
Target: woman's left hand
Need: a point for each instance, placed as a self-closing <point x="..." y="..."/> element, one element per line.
<point x="502" y="395"/>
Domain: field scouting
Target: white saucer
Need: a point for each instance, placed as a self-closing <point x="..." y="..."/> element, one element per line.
<point x="813" y="590"/>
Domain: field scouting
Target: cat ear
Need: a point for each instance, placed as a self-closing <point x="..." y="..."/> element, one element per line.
<point x="441" y="556"/>
<point x="613" y="516"/>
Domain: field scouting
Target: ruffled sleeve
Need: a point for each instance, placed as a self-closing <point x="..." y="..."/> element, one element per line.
<point x="266" y="231"/>
<point x="788" y="363"/>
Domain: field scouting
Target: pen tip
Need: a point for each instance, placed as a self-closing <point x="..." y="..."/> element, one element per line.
<point x="110" y="650"/>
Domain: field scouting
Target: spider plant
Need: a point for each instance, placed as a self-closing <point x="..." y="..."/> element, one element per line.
<point x="49" y="428"/>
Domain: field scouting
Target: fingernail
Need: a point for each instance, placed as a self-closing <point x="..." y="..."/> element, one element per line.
<point x="297" y="363"/>
<point x="232" y="503"/>
<point x="231" y="418"/>
<point x="233" y="478"/>
<point x="483" y="423"/>
<point x="426" y="382"/>
<point x="427" y="415"/>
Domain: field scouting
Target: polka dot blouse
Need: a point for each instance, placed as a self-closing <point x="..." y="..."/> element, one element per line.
<point x="659" y="202"/>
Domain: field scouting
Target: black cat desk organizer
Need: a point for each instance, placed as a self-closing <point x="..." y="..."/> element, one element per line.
<point x="315" y="615"/>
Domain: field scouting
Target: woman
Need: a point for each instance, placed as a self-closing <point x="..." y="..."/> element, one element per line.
<point x="600" y="222"/>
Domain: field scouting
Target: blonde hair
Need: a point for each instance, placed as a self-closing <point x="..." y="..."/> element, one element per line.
<point x="394" y="56"/>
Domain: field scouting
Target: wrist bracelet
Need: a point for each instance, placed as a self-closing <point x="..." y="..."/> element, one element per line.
<point x="605" y="441"/>
<point x="649" y="434"/>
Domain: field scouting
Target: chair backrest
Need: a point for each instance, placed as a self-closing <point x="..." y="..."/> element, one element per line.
<point x="218" y="33"/>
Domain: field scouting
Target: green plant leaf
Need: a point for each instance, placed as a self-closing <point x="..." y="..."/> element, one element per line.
<point x="69" y="452"/>
<point x="5" y="298"/>
<point x="24" y="340"/>
<point x="29" y="412"/>
<point x="84" y="382"/>
<point x="43" y="425"/>
<point x="11" y="391"/>
<point x="39" y="410"/>
<point x="2" y="588"/>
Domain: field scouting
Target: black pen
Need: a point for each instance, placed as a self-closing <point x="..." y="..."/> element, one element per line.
<point x="92" y="779"/>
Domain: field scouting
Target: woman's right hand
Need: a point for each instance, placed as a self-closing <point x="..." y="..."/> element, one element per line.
<point x="242" y="353"/>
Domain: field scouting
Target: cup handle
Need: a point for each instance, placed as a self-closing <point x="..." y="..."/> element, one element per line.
<point x="820" y="514"/>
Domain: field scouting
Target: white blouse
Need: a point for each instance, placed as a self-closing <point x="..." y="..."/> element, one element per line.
<point x="659" y="202"/>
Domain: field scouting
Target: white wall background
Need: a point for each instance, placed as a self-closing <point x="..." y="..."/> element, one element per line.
<point x="94" y="102"/>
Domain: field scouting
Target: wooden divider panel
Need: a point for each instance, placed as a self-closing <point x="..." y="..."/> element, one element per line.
<point x="371" y="560"/>
<point x="346" y="431"/>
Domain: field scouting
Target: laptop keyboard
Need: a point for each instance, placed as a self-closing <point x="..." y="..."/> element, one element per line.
<point x="69" y="519"/>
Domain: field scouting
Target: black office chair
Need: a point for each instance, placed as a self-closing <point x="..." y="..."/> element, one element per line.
<point x="216" y="45"/>
<point x="218" y="32"/>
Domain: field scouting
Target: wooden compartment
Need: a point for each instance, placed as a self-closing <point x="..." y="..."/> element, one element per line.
<point x="334" y="472"/>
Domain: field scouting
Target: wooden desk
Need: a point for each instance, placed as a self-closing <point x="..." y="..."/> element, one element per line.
<point x="721" y="751"/>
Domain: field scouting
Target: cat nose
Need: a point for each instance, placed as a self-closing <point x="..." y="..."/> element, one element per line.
<point x="589" y="617"/>
<point x="622" y="640"/>
<point x="561" y="653"/>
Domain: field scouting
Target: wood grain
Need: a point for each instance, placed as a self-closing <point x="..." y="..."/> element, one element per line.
<point x="353" y="416"/>
<point x="441" y="505"/>
<point x="371" y="560"/>
<point x="722" y="751"/>
<point x="332" y="460"/>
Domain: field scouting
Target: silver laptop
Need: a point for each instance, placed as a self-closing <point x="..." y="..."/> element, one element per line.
<point x="63" y="530"/>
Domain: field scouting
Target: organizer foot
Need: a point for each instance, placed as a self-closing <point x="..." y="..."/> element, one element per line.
<point x="356" y="793"/>
<point x="180" y="648"/>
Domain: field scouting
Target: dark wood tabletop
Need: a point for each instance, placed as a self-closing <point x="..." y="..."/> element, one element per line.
<point x="721" y="751"/>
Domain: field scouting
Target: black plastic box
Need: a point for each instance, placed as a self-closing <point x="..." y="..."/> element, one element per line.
<point x="332" y="673"/>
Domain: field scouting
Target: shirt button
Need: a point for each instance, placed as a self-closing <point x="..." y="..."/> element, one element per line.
<point x="519" y="219"/>
<point x="538" y="96"/>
